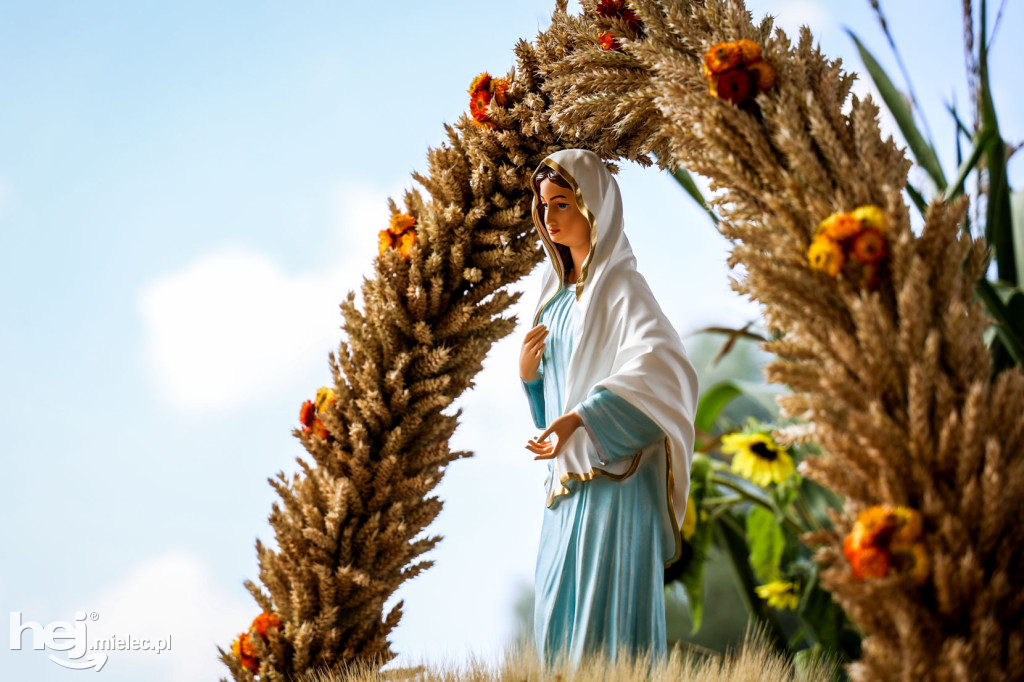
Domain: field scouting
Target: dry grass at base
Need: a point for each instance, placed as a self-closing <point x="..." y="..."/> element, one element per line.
<point x="754" y="661"/>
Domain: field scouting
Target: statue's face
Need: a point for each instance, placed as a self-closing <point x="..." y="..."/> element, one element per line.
<point x="563" y="220"/>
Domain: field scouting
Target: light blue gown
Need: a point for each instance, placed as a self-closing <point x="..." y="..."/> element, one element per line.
<point x="600" y="574"/>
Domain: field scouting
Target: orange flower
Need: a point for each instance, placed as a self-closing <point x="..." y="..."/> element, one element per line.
<point x="885" y="537"/>
<point x="866" y="562"/>
<point x="263" y="621"/>
<point x="763" y="74"/>
<point x="734" y="85"/>
<point x="749" y="51"/>
<point x="243" y="650"/>
<point x="608" y="41"/>
<point x="400" y="234"/>
<point x="478" y="102"/>
<point x="406" y="242"/>
<point x="721" y="57"/>
<point x="480" y="83"/>
<point x="868" y="246"/>
<point x="839" y="226"/>
<point x="859" y="234"/>
<point x="499" y="88"/>
<point x="384" y="241"/>
<point x="736" y="72"/>
<point x="400" y="222"/>
<point x="307" y="413"/>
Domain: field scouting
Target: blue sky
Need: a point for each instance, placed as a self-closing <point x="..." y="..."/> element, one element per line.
<point x="187" y="191"/>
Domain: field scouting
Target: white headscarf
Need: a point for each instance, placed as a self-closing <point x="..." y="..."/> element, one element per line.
<point x="624" y="343"/>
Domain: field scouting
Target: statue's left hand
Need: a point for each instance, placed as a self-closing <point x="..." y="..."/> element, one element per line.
<point x="562" y="428"/>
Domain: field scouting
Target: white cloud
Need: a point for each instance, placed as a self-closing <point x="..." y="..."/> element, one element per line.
<point x="174" y="594"/>
<point x="232" y="326"/>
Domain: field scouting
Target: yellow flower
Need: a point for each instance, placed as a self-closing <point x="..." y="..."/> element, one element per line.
<point x="324" y="397"/>
<point x="870" y="216"/>
<point x="825" y="254"/>
<point x="781" y="594"/>
<point x="757" y="458"/>
<point x="689" y="520"/>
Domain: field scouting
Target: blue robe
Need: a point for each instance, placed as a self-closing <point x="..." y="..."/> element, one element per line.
<point x="599" y="576"/>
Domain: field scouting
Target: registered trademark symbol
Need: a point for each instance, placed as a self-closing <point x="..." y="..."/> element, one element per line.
<point x="93" y="615"/>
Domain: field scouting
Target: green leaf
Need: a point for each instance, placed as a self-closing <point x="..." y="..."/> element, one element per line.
<point x="984" y="139"/>
<point x="693" y="576"/>
<point x="713" y="401"/>
<point x="766" y="543"/>
<point x="923" y="151"/>
<point x="1008" y="327"/>
<point x="998" y="220"/>
<point x="917" y="198"/>
<point x="729" y="536"/>
<point x="684" y="178"/>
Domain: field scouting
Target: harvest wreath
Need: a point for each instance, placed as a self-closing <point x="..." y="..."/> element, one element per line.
<point x="887" y="365"/>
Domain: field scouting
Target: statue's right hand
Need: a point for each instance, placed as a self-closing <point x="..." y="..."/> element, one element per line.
<point x="531" y="353"/>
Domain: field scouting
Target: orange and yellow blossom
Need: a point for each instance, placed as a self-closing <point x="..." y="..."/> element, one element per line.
<point x="400" y="234"/>
<point x="244" y="651"/>
<point x="856" y="236"/>
<point x="885" y="538"/>
<point x="736" y="72"/>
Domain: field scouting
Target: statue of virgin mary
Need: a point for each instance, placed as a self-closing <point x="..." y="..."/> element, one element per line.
<point x="615" y="387"/>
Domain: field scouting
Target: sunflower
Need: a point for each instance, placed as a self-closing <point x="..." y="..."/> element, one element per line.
<point x="782" y="594"/>
<point x="758" y="458"/>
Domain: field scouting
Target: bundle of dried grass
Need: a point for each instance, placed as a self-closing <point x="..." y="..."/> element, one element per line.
<point x="755" y="660"/>
<point x="890" y="369"/>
